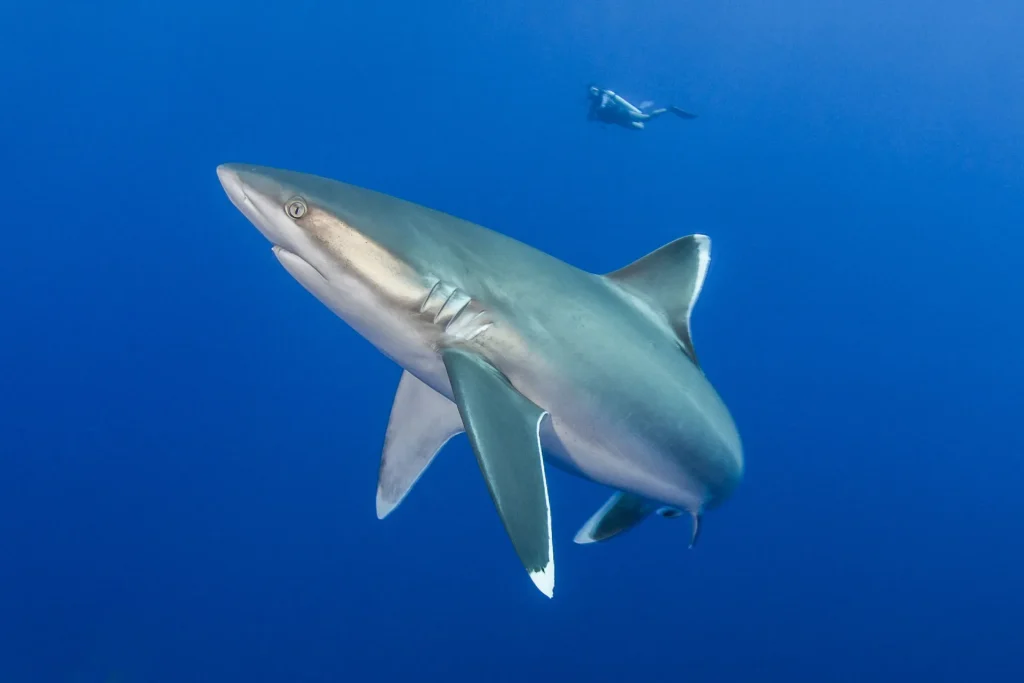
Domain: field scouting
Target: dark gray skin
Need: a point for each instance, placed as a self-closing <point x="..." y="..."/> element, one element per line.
<point x="609" y="107"/>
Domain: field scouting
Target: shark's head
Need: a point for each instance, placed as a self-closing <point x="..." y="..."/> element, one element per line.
<point x="287" y="211"/>
<point x="336" y="239"/>
<point x="340" y="230"/>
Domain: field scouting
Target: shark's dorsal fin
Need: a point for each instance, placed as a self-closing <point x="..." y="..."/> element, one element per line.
<point x="668" y="281"/>
<point x="619" y="514"/>
<point x="421" y="422"/>
<point x="503" y="427"/>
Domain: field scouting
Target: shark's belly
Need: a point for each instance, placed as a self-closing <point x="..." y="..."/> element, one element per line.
<point x="597" y="449"/>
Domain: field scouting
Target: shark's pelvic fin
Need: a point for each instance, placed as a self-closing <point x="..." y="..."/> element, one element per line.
<point x="669" y="280"/>
<point x="503" y="427"/>
<point x="620" y="513"/>
<point x="421" y="422"/>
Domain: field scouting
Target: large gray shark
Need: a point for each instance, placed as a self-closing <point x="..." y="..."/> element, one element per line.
<point x="526" y="354"/>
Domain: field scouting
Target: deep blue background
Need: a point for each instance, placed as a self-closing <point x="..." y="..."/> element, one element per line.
<point x="189" y="441"/>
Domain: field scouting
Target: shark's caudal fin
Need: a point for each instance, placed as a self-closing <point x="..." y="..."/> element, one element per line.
<point x="620" y="513"/>
<point x="668" y="281"/>
<point x="672" y="513"/>
<point x="503" y="427"/>
<point x="422" y="421"/>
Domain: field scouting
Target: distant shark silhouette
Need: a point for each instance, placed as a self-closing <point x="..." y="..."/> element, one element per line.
<point x="516" y="348"/>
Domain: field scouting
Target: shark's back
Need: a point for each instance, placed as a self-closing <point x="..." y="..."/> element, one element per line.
<point x="429" y="238"/>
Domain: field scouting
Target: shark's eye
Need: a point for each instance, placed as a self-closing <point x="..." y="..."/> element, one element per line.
<point x="296" y="208"/>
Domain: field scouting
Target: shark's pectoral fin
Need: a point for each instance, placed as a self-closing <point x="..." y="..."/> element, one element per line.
<point x="503" y="427"/>
<point x="668" y="281"/>
<point x="421" y="422"/>
<point x="620" y="513"/>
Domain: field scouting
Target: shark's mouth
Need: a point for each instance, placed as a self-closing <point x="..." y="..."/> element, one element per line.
<point x="299" y="268"/>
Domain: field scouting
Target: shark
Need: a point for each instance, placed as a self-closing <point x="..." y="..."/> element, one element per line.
<point x="535" y="360"/>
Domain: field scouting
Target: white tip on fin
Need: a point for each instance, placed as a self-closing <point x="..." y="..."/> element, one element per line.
<point x="384" y="507"/>
<point x="668" y="282"/>
<point x="583" y="537"/>
<point x="545" y="579"/>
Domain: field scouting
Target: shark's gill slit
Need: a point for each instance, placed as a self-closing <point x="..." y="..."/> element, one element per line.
<point x="429" y="296"/>
<point x="455" y="302"/>
<point x="454" y="319"/>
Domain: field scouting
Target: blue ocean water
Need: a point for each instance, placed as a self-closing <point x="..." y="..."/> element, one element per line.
<point x="189" y="441"/>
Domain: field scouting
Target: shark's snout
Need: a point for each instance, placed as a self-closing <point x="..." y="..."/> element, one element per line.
<point x="258" y="197"/>
<point x="231" y="180"/>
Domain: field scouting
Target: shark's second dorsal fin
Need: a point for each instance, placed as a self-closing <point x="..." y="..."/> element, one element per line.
<point x="668" y="281"/>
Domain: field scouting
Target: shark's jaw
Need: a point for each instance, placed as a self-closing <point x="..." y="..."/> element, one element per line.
<point x="301" y="269"/>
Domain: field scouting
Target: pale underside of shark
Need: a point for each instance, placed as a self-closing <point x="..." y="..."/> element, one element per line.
<point x="526" y="354"/>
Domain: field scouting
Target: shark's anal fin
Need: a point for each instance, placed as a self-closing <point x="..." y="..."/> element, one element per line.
<point x="668" y="281"/>
<point x="620" y="513"/>
<point x="421" y="422"/>
<point x="503" y="427"/>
